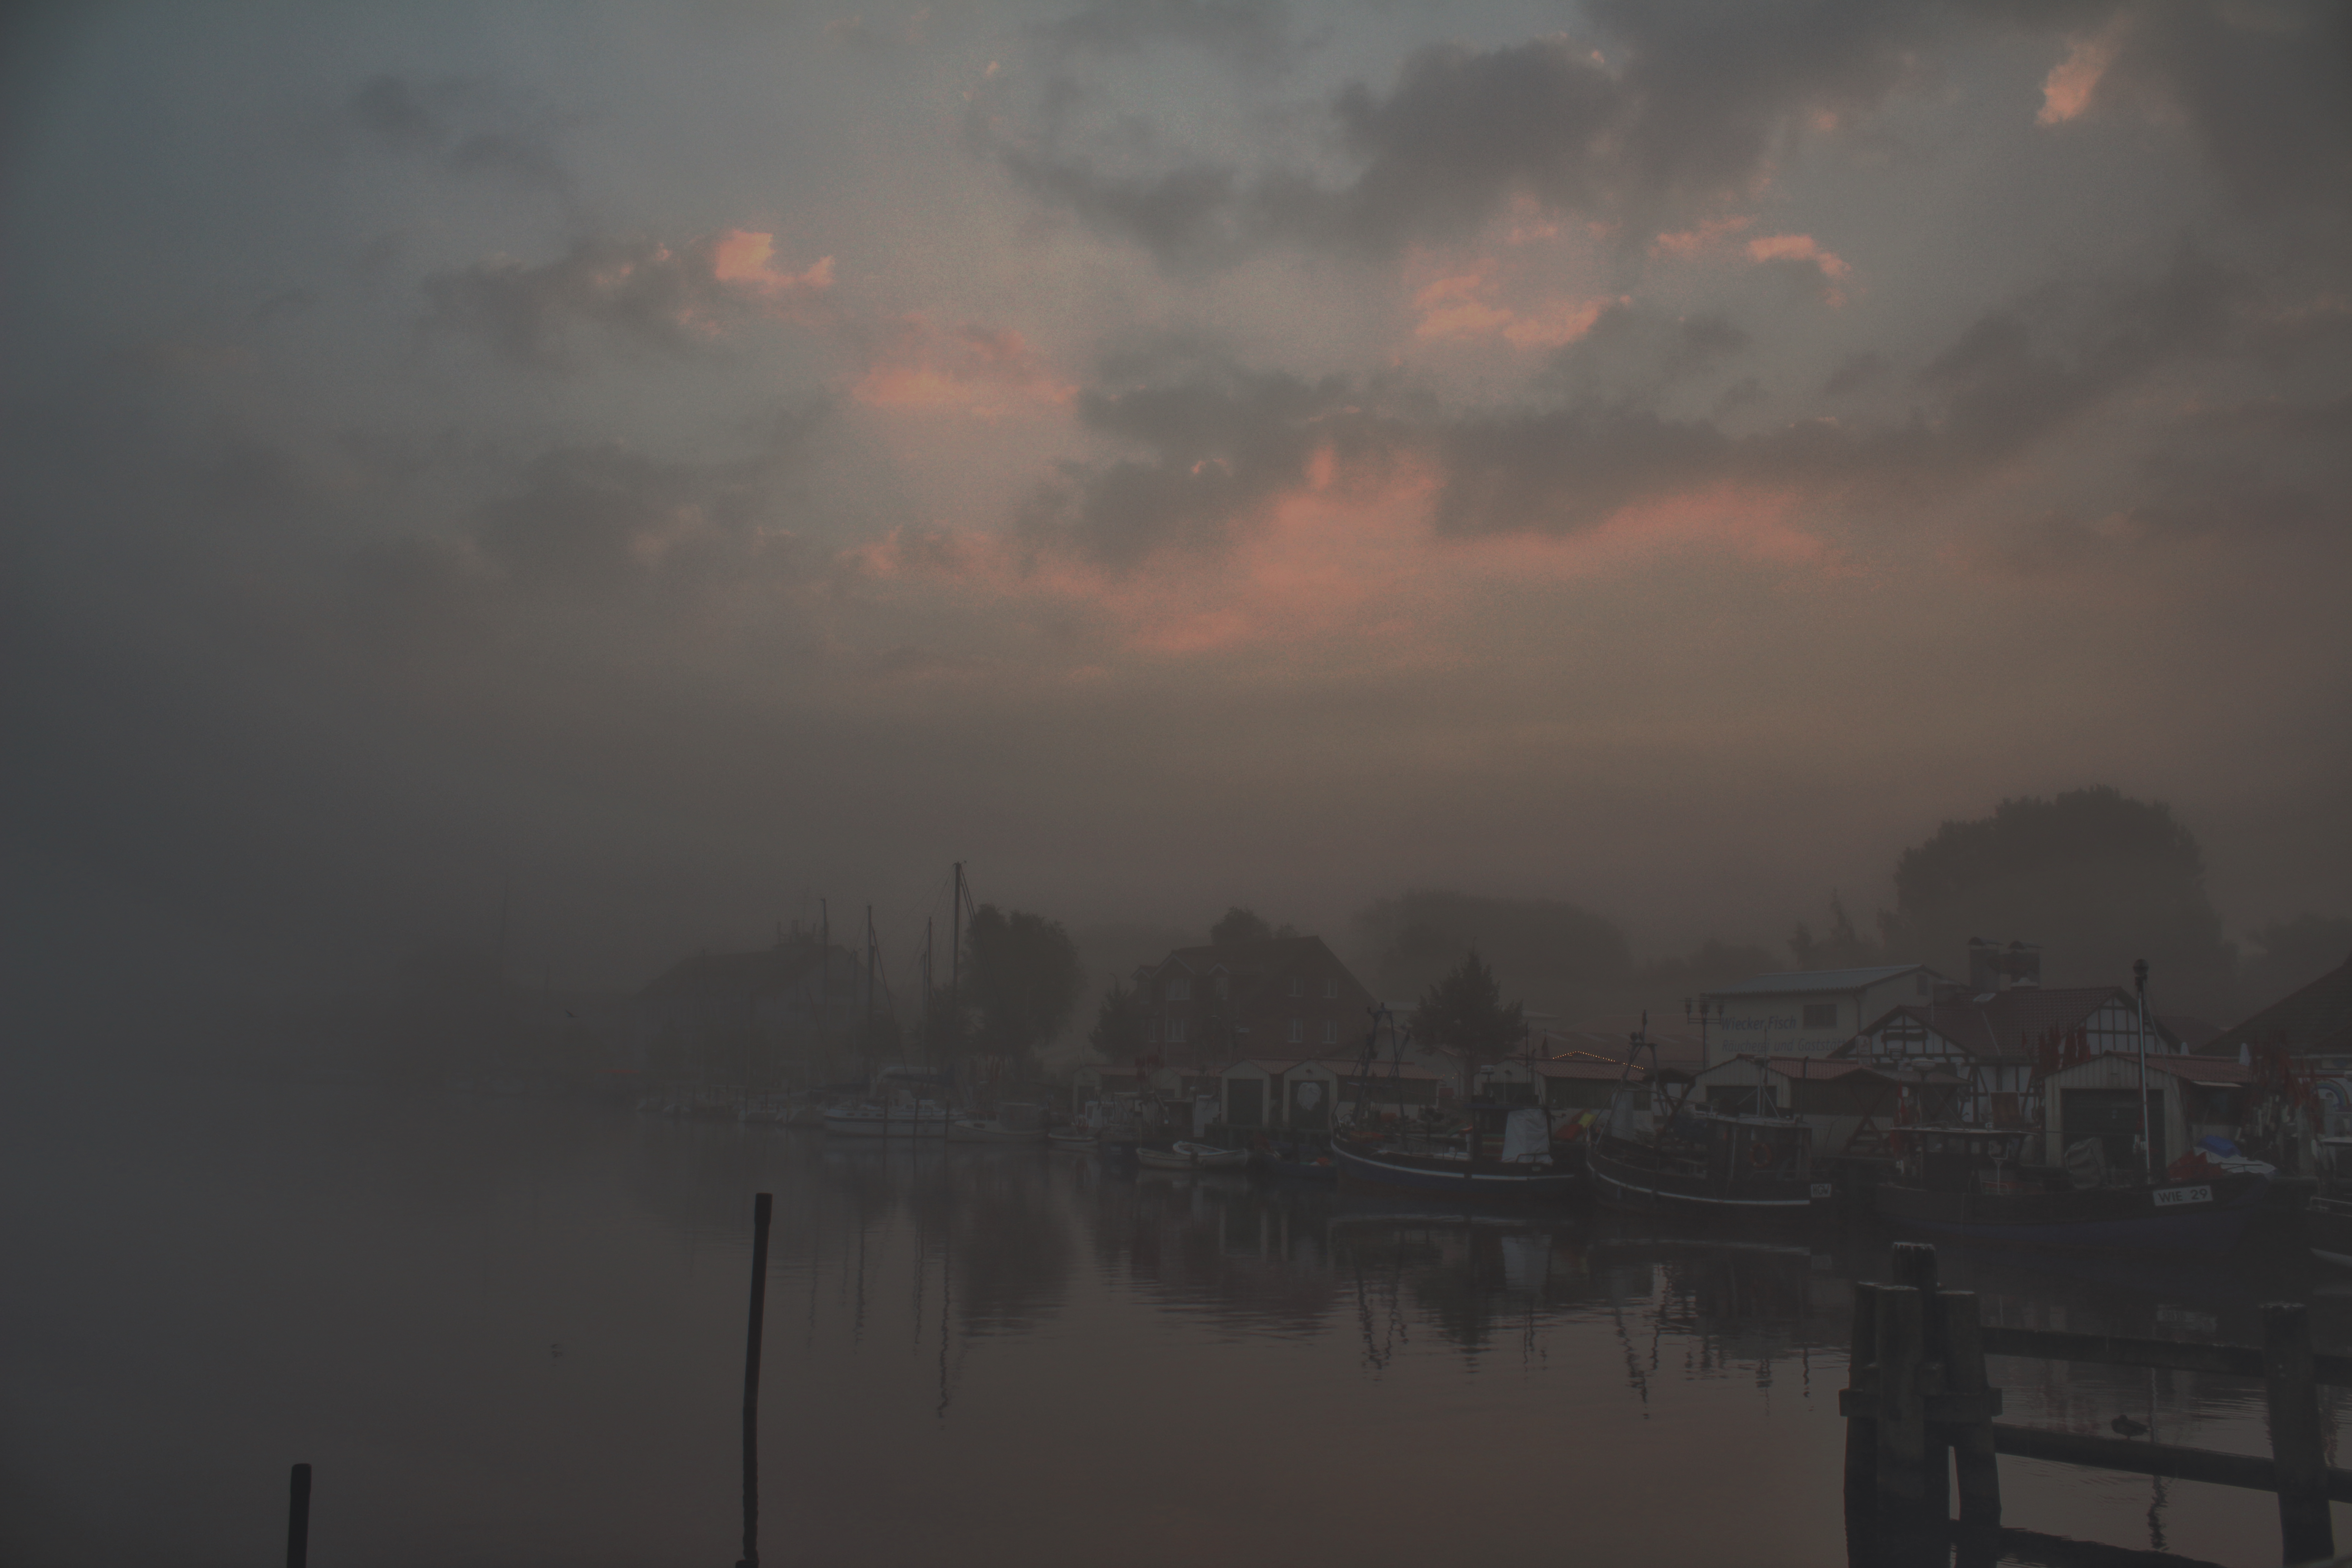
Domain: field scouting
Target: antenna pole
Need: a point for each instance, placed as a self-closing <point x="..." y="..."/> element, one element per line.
<point x="2146" y="1147"/>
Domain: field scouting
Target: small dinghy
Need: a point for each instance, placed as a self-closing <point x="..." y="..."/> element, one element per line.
<point x="1188" y="1156"/>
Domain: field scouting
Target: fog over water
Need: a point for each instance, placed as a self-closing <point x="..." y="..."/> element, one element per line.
<point x="511" y="1333"/>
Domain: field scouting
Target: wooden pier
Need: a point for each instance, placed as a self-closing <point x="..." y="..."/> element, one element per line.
<point x="1920" y="1409"/>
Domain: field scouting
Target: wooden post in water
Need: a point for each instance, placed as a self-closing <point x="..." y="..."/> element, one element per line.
<point x="1915" y="1266"/>
<point x="1902" y="1428"/>
<point x="2297" y="1449"/>
<point x="1971" y="1440"/>
<point x="1862" y="1431"/>
<point x="761" y="1207"/>
<point x="297" y="1518"/>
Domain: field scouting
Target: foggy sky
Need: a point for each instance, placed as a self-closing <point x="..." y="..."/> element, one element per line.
<point x="675" y="465"/>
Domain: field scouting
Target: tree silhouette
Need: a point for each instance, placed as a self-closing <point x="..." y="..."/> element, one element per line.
<point x="1021" y="980"/>
<point x="1464" y="1011"/>
<point x="2096" y="878"/>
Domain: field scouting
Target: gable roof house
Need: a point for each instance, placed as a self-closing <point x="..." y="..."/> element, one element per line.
<point x="1284" y="997"/>
<point x="2312" y="1024"/>
<point x="2002" y="1043"/>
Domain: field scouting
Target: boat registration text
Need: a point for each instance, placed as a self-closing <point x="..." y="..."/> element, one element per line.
<point x="2167" y="1197"/>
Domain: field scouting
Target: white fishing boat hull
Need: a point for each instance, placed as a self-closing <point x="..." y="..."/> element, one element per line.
<point x="1187" y="1156"/>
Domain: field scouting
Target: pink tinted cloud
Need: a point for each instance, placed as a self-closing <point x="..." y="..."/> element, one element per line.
<point x="1462" y="306"/>
<point x="1712" y="234"/>
<point x="746" y="259"/>
<point x="977" y="369"/>
<point x="1342" y="567"/>
<point x="2071" y="83"/>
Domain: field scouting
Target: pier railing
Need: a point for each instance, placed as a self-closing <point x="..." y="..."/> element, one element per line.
<point x="1919" y="1394"/>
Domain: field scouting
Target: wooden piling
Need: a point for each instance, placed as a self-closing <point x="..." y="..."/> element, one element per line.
<point x="1861" y="1372"/>
<point x="1915" y="1266"/>
<point x="1971" y="1440"/>
<point x="1902" y="1428"/>
<point x="762" y="1205"/>
<point x="2298" y="1454"/>
<point x="297" y="1518"/>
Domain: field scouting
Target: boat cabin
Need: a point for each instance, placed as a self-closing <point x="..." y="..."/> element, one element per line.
<point x="1968" y="1159"/>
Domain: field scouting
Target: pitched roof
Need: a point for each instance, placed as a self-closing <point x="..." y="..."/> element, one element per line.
<point x="1251" y="964"/>
<point x="1804" y="982"/>
<point x="2008" y="1024"/>
<point x="2313" y="1021"/>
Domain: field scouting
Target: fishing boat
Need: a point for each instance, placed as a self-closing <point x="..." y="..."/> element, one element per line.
<point x="1074" y="1139"/>
<point x="1294" y="1160"/>
<point x="1703" y="1160"/>
<point x="1431" y="1166"/>
<point x="1185" y="1155"/>
<point x="1973" y="1184"/>
<point x="1656" y="1150"/>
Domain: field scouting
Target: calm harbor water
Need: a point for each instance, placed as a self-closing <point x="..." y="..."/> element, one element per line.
<point x="509" y="1332"/>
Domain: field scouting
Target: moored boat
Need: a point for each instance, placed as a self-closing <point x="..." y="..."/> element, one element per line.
<point x="871" y="1118"/>
<point x="1971" y="1183"/>
<point x="1525" y="1172"/>
<point x="1704" y="1161"/>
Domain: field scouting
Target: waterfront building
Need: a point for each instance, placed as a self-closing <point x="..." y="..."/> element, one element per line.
<point x="2001" y="1043"/>
<point x="1806" y="1012"/>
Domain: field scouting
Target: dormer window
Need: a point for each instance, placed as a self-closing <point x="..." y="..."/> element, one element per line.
<point x="1330" y="990"/>
<point x="1297" y="987"/>
<point x="1221" y="988"/>
<point x="1179" y="991"/>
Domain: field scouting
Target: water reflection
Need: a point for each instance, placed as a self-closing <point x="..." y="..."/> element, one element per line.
<point x="964" y="1342"/>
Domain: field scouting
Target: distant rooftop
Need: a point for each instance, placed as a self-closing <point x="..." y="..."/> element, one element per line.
<point x="1814" y="980"/>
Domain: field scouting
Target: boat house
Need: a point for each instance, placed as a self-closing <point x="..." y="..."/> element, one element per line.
<point x="2189" y="1097"/>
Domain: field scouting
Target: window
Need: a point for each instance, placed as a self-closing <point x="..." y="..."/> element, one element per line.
<point x="1330" y="1031"/>
<point x="1297" y="987"/>
<point x="1179" y="991"/>
<point x="1820" y="1015"/>
<point x="1297" y="1030"/>
<point x="1331" y="991"/>
<point x="1151" y="1031"/>
<point x="1221" y="988"/>
<point x="1175" y="1031"/>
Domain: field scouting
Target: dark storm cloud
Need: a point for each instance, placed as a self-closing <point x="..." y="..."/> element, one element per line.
<point x="2021" y="374"/>
<point x="2268" y="90"/>
<point x="2019" y="378"/>
<point x="1222" y="445"/>
<point x="1633" y="353"/>
<point x="637" y="291"/>
<point x="457" y="125"/>
<point x="1687" y="103"/>
<point x="1699" y="102"/>
<point x="1254" y="37"/>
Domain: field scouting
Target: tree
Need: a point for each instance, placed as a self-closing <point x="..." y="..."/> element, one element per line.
<point x="1465" y="1012"/>
<point x="1240" y="924"/>
<point x="1119" y="1031"/>
<point x="2096" y="878"/>
<point x="1567" y="959"/>
<point x="1021" y="979"/>
<point x="1842" y="948"/>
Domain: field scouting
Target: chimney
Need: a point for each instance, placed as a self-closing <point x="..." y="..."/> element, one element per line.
<point x="1984" y="966"/>
<point x="2021" y="965"/>
<point x="1992" y="967"/>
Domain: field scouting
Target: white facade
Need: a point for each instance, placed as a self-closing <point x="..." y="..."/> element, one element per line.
<point x="1808" y="1012"/>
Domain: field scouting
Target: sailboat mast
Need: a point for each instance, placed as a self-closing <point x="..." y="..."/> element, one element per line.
<point x="824" y="975"/>
<point x="869" y="975"/>
<point x="955" y="958"/>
